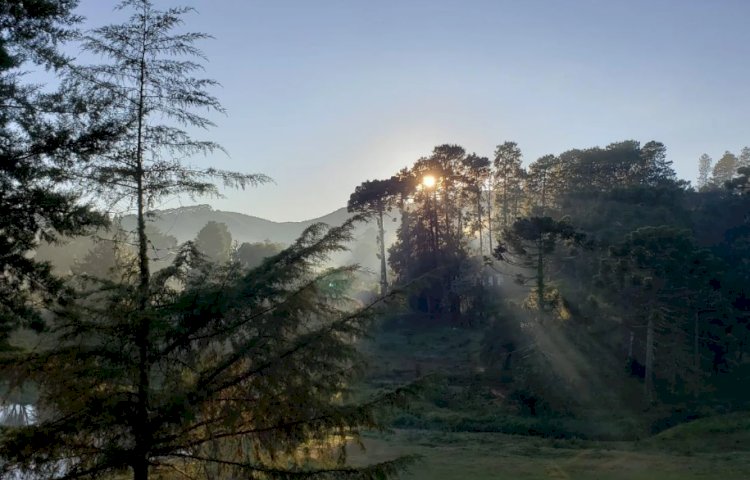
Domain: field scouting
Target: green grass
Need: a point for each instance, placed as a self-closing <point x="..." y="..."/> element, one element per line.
<point x="463" y="432"/>
<point x="485" y="456"/>
<point x="723" y="433"/>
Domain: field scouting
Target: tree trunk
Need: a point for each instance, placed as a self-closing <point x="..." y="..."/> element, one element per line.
<point x="479" y="220"/>
<point x="696" y="352"/>
<point x="446" y="211"/>
<point x="141" y="425"/>
<point x="540" y="276"/>
<point x="505" y="201"/>
<point x="648" y="383"/>
<point x="436" y="232"/>
<point x="381" y="237"/>
<point x="544" y="191"/>
<point x="140" y="470"/>
<point x="630" y="346"/>
<point x="489" y="218"/>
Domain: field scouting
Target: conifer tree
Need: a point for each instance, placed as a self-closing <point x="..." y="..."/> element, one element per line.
<point x="530" y="243"/>
<point x="376" y="198"/>
<point x="704" y="170"/>
<point x="724" y="169"/>
<point x="508" y="178"/>
<point x="215" y="242"/>
<point x="248" y="375"/>
<point x="196" y="369"/>
<point x="478" y="173"/>
<point x="38" y="144"/>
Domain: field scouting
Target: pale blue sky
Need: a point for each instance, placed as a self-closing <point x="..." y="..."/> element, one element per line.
<point x="322" y="95"/>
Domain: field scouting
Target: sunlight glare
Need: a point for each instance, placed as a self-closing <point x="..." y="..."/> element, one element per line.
<point x="428" y="181"/>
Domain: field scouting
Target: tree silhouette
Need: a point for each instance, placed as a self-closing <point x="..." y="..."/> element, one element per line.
<point x="376" y="198"/>
<point x="215" y="242"/>
<point x="38" y="145"/>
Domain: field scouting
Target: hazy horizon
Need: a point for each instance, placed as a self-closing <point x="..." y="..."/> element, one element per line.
<point x="328" y="95"/>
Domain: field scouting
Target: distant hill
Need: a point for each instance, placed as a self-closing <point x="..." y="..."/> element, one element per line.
<point x="185" y="222"/>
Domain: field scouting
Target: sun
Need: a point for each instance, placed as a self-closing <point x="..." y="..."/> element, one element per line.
<point x="428" y="181"/>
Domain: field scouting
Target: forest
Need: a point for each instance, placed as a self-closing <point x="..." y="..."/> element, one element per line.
<point x="582" y="315"/>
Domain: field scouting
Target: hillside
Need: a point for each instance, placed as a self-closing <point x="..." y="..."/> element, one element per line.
<point x="185" y="222"/>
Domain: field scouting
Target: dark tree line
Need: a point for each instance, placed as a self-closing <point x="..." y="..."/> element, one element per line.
<point x="605" y="240"/>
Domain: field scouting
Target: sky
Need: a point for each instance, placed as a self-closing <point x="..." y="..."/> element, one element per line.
<point x="323" y="95"/>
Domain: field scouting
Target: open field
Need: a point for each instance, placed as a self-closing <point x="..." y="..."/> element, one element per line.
<point x="485" y="456"/>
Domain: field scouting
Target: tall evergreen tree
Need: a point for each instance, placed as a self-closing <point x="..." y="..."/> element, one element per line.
<point x="704" y="171"/>
<point x="507" y="183"/>
<point x="38" y="144"/>
<point x="530" y="243"/>
<point x="215" y="242"/>
<point x="251" y="255"/>
<point x="478" y="171"/>
<point x="724" y="169"/>
<point x="744" y="158"/>
<point x="248" y="375"/>
<point x="375" y="198"/>
<point x="149" y="80"/>
<point x="431" y="242"/>
<point x="665" y="283"/>
<point x="543" y="184"/>
<point x="196" y="369"/>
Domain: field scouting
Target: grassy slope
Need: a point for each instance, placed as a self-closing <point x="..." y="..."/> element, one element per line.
<point x="480" y="456"/>
<point x="717" y="447"/>
<point x="725" y="433"/>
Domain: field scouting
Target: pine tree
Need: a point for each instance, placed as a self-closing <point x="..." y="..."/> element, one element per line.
<point x="530" y="243"/>
<point x="250" y="255"/>
<point x="744" y="158"/>
<point x="724" y="169"/>
<point x="246" y="374"/>
<point x="508" y="177"/>
<point x="478" y="174"/>
<point x="215" y="242"/>
<point x="197" y="368"/>
<point x="147" y="84"/>
<point x="704" y="171"/>
<point x="543" y="182"/>
<point x="38" y="144"/>
<point x="375" y="198"/>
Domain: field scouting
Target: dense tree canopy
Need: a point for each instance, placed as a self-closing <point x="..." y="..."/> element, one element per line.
<point x="37" y="145"/>
<point x="155" y="372"/>
<point x="215" y="242"/>
<point x="210" y="359"/>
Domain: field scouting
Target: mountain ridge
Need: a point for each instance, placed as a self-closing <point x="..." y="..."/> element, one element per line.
<point x="185" y="222"/>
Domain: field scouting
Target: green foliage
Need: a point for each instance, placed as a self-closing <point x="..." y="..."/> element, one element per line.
<point x="148" y="90"/>
<point x="529" y="244"/>
<point x="673" y="281"/>
<point x="741" y="182"/>
<point x="704" y="171"/>
<point x="375" y="198"/>
<point x="431" y="245"/>
<point x="251" y="255"/>
<point x="215" y="242"/>
<point x="36" y="149"/>
<point x="247" y="370"/>
<point x="198" y="368"/>
<point x="724" y="169"/>
<point x="508" y="182"/>
<point x="33" y="29"/>
<point x="720" y="433"/>
<point x="109" y="260"/>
